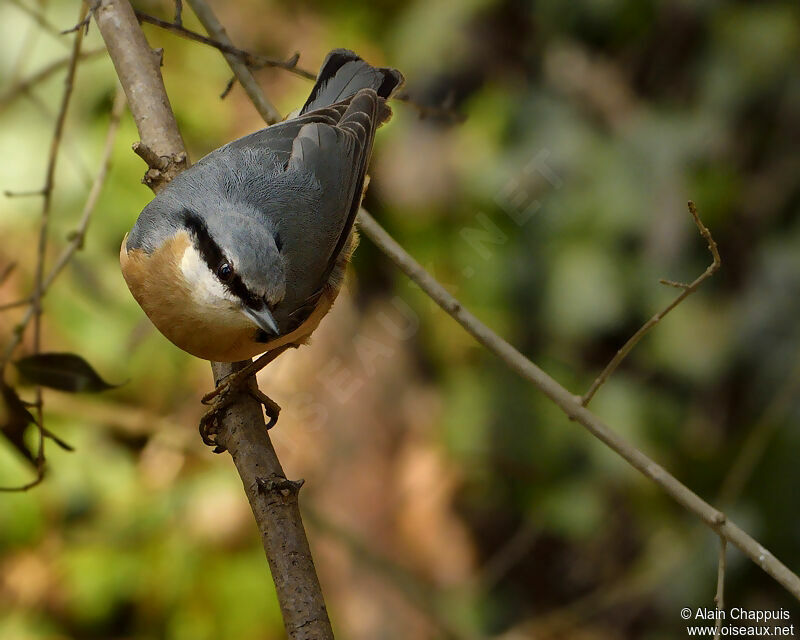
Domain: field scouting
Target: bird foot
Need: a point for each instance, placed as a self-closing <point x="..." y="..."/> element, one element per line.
<point x="222" y="397"/>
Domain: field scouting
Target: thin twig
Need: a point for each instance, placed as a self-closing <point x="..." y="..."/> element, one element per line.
<point x="13" y="305"/>
<point x="83" y="24"/>
<point x="49" y="183"/>
<point x="755" y="443"/>
<point x="7" y="271"/>
<point x="23" y="194"/>
<point x="40" y="19"/>
<point x="719" y="601"/>
<point x="178" y="19"/>
<point x="687" y="290"/>
<point x="35" y="308"/>
<point x="419" y="594"/>
<point x="24" y="53"/>
<point x="210" y="23"/>
<point x="228" y="88"/>
<point x="252" y="60"/>
<point x="78" y="236"/>
<point x="572" y="407"/>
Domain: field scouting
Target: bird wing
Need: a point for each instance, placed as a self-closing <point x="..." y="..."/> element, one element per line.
<point x="308" y="187"/>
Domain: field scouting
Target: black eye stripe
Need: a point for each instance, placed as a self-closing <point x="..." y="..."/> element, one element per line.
<point x="212" y="255"/>
<point x="278" y="241"/>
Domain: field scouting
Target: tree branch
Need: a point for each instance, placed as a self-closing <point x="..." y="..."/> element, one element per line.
<point x="210" y="23"/>
<point x="23" y="86"/>
<point x="248" y="60"/>
<point x="572" y="407"/>
<point x="253" y="60"/>
<point x="719" y="598"/>
<point x="272" y="497"/>
<point x="688" y="289"/>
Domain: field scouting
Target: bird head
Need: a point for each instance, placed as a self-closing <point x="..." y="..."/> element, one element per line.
<point x="207" y="274"/>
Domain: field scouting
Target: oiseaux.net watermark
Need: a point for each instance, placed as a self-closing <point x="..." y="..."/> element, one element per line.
<point x="738" y="622"/>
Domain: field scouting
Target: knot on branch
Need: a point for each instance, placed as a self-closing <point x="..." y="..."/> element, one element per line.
<point x="162" y="169"/>
<point x="278" y="486"/>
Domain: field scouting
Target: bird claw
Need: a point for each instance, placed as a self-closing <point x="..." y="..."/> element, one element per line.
<point x="210" y="422"/>
<point x="271" y="408"/>
<point x="221" y="398"/>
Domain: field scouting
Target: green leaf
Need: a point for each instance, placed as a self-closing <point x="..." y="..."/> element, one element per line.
<point x="62" y="371"/>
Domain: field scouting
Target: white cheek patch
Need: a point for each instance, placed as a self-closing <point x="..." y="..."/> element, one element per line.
<point x="204" y="286"/>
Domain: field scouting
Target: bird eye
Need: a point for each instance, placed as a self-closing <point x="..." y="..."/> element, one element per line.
<point x="225" y="271"/>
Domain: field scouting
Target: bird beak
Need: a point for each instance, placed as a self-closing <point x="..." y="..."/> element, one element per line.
<point x="263" y="318"/>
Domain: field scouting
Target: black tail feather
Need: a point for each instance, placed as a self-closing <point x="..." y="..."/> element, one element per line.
<point x="343" y="74"/>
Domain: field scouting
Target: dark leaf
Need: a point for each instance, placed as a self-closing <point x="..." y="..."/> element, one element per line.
<point x="62" y="371"/>
<point x="15" y="420"/>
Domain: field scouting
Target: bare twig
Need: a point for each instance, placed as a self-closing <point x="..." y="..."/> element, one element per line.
<point x="16" y="303"/>
<point x="228" y="88"/>
<point x="23" y="194"/>
<point x="36" y="301"/>
<point x="178" y="19"/>
<point x="249" y="60"/>
<point x="77" y="237"/>
<point x="688" y="289"/>
<point x="22" y="87"/>
<point x="50" y="181"/>
<point x="154" y="161"/>
<point x="35" y="309"/>
<point x="7" y="271"/>
<point x="719" y="601"/>
<point x="272" y="498"/>
<point x="83" y="24"/>
<point x="252" y="60"/>
<point x="758" y="438"/>
<point x="572" y="407"/>
<point x="40" y="19"/>
<point x="24" y="53"/>
<point x="419" y="594"/>
<point x="209" y="21"/>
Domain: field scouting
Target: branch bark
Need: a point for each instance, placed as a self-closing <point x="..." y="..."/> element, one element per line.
<point x="272" y="497"/>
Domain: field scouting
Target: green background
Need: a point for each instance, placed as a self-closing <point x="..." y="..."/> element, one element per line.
<point x="445" y="497"/>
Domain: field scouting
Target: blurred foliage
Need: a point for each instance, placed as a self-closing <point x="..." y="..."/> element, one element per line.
<point x="449" y="498"/>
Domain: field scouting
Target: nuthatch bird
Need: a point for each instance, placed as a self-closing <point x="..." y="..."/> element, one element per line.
<point x="245" y="252"/>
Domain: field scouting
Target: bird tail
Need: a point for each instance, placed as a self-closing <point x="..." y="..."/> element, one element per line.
<point x="343" y="74"/>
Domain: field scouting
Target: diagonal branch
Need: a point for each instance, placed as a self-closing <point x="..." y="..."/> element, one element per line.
<point x="688" y="289"/>
<point x="210" y="23"/>
<point x="254" y="60"/>
<point x="23" y="86"/>
<point x="272" y="497"/>
<point x="247" y="60"/>
<point x="572" y="407"/>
